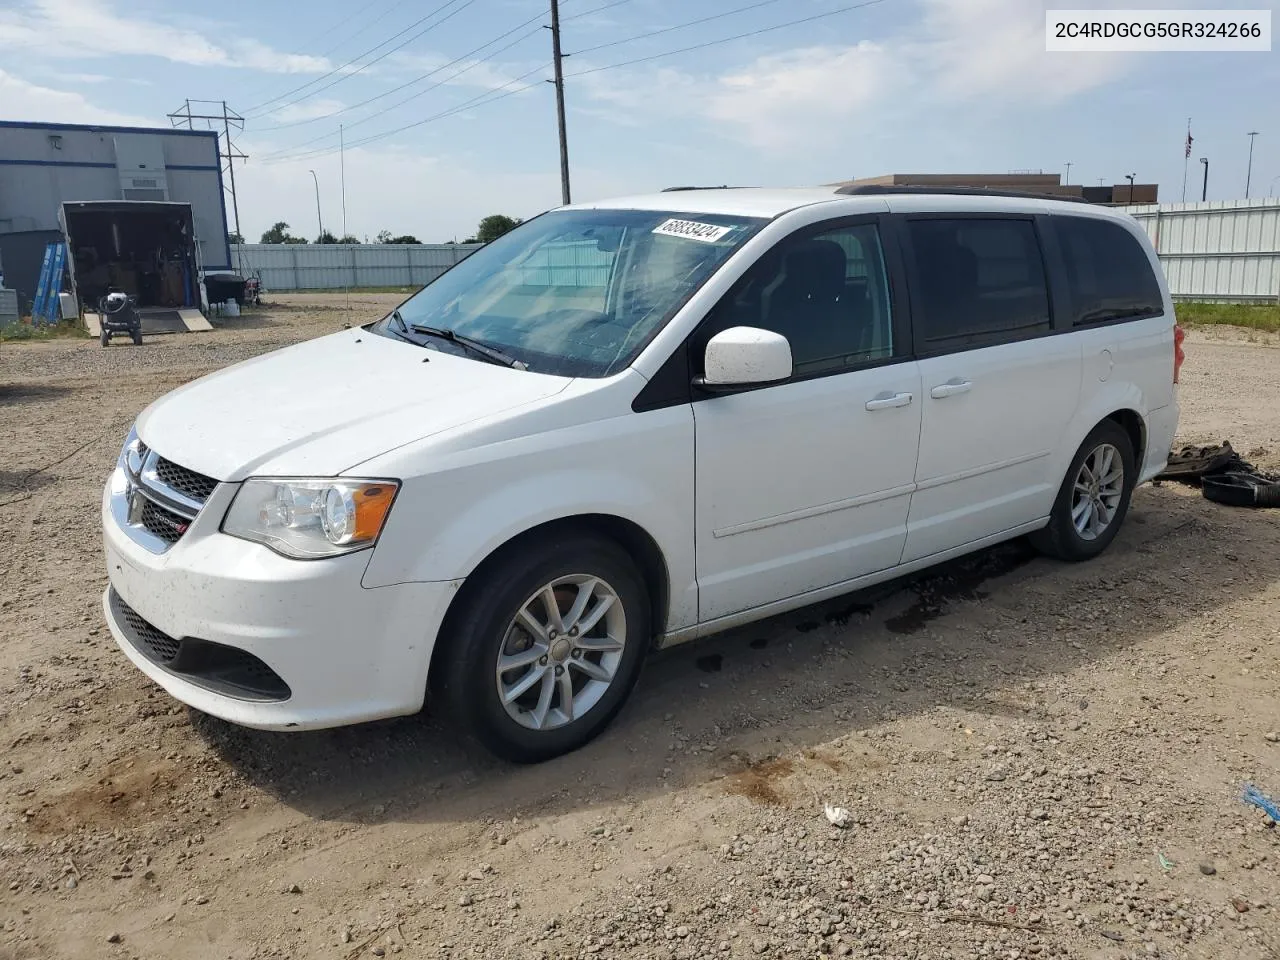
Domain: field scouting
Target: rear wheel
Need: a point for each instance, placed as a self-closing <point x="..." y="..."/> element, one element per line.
<point x="546" y="648"/>
<point x="1094" y="498"/>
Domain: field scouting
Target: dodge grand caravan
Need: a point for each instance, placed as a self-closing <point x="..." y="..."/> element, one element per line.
<point x="630" y="424"/>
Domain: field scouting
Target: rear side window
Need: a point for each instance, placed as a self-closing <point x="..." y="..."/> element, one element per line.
<point x="1108" y="274"/>
<point x="978" y="282"/>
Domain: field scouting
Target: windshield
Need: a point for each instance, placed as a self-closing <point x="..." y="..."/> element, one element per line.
<point x="578" y="292"/>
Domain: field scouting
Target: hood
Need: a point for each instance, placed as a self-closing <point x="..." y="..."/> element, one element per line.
<point x="321" y="407"/>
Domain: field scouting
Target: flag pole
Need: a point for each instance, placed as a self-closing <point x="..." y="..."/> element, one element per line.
<point x="1186" y="157"/>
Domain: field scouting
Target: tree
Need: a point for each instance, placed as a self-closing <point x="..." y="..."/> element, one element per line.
<point x="279" y="233"/>
<point x="404" y="238"/>
<point x="492" y="227"/>
<point x="384" y="236"/>
<point x="349" y="238"/>
<point x="233" y="237"/>
<point x="326" y="237"/>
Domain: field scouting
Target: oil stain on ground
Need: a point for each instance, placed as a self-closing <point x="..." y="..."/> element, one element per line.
<point x="760" y="780"/>
<point x="957" y="581"/>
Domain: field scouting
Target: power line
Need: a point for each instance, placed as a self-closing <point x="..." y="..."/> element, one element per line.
<point x="444" y="6"/>
<point x="365" y="27"/>
<point x="410" y="83"/>
<point x="494" y="96"/>
<point x="480" y="100"/>
<point x="587" y="13"/>
<point x="678" y="26"/>
<point x="739" y="36"/>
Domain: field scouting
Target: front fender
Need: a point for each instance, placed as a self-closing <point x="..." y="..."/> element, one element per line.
<point x="638" y="467"/>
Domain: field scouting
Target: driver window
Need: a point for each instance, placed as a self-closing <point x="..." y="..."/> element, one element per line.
<point x="827" y="293"/>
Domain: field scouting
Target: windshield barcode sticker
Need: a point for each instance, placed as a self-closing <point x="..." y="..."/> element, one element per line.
<point x="692" y="230"/>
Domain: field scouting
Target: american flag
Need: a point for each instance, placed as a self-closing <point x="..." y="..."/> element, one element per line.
<point x="1189" y="139"/>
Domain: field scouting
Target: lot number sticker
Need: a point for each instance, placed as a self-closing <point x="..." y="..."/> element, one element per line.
<point x="692" y="230"/>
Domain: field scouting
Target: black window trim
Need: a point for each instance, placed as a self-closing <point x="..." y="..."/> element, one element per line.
<point x="1050" y="260"/>
<point x="1069" y="304"/>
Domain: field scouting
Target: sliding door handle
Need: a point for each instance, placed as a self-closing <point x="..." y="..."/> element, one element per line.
<point x="950" y="389"/>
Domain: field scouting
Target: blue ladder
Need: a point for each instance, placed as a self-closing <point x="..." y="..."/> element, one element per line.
<point x="47" y="307"/>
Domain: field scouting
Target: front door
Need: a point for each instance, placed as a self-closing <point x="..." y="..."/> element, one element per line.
<point x="807" y="483"/>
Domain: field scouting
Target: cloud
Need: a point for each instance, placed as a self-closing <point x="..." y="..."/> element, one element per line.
<point x="23" y="100"/>
<point x="986" y="55"/>
<point x="819" y="88"/>
<point x="90" y="28"/>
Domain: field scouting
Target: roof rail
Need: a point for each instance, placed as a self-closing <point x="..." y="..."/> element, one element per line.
<point x="875" y="189"/>
<point x="723" y="186"/>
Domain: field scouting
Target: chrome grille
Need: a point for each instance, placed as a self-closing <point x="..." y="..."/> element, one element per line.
<point x="165" y="524"/>
<point x="187" y="482"/>
<point x="160" y="499"/>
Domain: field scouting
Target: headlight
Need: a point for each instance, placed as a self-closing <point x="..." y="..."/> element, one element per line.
<point x="310" y="519"/>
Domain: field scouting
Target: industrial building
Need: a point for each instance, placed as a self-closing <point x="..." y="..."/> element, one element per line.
<point x="129" y="188"/>
<point x="1045" y="183"/>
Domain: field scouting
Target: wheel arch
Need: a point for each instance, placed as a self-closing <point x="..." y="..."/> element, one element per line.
<point x="638" y="543"/>
<point x="1135" y="426"/>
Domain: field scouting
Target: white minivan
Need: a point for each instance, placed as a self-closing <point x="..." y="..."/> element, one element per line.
<point x="625" y="425"/>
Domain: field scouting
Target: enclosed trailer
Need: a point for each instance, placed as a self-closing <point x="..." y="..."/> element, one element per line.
<point x="145" y="248"/>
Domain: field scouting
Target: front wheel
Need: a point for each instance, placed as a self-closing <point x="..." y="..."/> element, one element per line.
<point x="136" y="334"/>
<point x="546" y="647"/>
<point x="104" y="337"/>
<point x="1094" y="498"/>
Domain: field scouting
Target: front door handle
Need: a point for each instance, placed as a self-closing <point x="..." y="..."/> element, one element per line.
<point x="951" y="388"/>
<point x="887" y="401"/>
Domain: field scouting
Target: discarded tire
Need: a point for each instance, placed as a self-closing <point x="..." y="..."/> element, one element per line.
<point x="1237" y="489"/>
<point x="1223" y="476"/>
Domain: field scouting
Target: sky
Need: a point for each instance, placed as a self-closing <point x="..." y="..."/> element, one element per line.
<point x="889" y="86"/>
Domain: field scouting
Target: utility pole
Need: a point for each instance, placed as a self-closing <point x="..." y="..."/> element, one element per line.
<point x="1249" y="174"/>
<point x="1068" y="183"/>
<point x="1130" y="177"/>
<point x="1204" y="191"/>
<point x="319" y="219"/>
<point x="185" y="116"/>
<point x="558" y="57"/>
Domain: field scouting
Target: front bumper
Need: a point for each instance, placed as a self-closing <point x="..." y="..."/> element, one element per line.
<point x="345" y="653"/>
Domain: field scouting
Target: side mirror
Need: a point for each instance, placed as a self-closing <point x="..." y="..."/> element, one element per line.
<point x="745" y="356"/>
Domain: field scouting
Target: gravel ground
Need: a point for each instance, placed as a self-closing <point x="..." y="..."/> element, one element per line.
<point x="1036" y="760"/>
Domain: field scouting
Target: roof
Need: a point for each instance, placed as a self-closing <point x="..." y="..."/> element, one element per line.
<point x="104" y="128"/>
<point x="770" y="203"/>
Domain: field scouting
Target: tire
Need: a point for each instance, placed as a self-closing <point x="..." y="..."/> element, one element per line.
<point x="1063" y="538"/>
<point x="534" y="727"/>
<point x="137" y="337"/>
<point x="104" y="337"/>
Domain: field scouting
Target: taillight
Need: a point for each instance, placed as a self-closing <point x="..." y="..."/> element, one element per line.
<point x="1178" y="355"/>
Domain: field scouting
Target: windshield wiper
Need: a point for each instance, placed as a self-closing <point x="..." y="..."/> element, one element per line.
<point x="403" y="333"/>
<point x="478" y="347"/>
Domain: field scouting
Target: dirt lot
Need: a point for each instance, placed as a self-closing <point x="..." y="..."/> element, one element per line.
<point x="1039" y="760"/>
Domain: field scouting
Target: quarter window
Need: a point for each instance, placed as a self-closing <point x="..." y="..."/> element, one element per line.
<point x="979" y="282"/>
<point x="827" y="293"/>
<point x="1108" y="274"/>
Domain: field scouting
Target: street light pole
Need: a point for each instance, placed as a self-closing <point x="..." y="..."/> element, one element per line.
<point x="1204" y="191"/>
<point x="319" y="219"/>
<point x="1249" y="173"/>
<point x="1068" y="174"/>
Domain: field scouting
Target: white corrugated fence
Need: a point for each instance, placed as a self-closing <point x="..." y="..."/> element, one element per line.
<point x="1223" y="250"/>
<point x="336" y="266"/>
